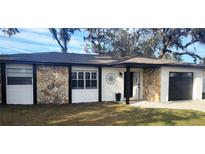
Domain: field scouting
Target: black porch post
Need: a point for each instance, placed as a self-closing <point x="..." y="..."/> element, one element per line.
<point x="127" y="88"/>
<point x="34" y="84"/>
<point x="70" y="84"/>
<point x="99" y="84"/>
<point x="3" y="83"/>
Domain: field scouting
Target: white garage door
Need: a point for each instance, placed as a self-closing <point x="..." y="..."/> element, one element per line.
<point x="19" y="84"/>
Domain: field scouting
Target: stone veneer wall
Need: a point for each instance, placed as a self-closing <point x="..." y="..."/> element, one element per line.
<point x="52" y="84"/>
<point x="151" y="84"/>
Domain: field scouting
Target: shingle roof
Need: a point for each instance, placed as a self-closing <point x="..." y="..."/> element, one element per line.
<point x="143" y="60"/>
<point x="56" y="57"/>
<point x="88" y="59"/>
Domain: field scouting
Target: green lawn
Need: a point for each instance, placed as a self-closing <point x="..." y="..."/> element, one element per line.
<point x="96" y="114"/>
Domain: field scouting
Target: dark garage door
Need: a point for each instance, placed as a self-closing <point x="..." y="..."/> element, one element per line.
<point x="180" y="85"/>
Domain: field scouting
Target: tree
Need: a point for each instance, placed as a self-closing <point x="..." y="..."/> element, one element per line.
<point x="63" y="36"/>
<point x="119" y="42"/>
<point x="176" y="41"/>
<point x="147" y="42"/>
<point x="9" y="31"/>
<point x="101" y="39"/>
<point x="133" y="42"/>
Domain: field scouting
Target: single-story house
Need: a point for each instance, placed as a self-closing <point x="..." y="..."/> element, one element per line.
<point x="53" y="77"/>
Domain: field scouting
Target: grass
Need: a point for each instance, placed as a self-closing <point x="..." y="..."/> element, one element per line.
<point x="96" y="114"/>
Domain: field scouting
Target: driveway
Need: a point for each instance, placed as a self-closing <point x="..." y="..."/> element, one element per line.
<point x="191" y="105"/>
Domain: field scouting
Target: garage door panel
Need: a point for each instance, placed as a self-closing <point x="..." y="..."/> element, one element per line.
<point x="19" y="84"/>
<point x="180" y="86"/>
<point x="20" y="94"/>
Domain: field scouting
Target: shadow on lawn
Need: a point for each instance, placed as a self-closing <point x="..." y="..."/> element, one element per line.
<point x="91" y="114"/>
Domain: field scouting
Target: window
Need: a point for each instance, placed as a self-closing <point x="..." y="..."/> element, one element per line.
<point x="82" y="80"/>
<point x="77" y="80"/>
<point x="87" y="77"/>
<point x="172" y="74"/>
<point x="19" y="80"/>
<point x="188" y="75"/>
<point x="74" y="80"/>
<point x="19" y="76"/>
<point x="181" y="74"/>
<point x="91" y="80"/>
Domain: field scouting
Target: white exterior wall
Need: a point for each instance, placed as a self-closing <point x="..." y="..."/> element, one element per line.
<point x="204" y="82"/>
<point x="85" y="95"/>
<point x="197" y="81"/>
<point x="109" y="91"/>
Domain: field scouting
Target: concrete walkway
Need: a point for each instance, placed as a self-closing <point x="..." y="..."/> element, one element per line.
<point x="191" y="105"/>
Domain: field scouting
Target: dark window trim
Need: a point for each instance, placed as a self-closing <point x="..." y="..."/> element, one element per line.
<point x="99" y="84"/>
<point x="3" y="83"/>
<point x="70" y="84"/>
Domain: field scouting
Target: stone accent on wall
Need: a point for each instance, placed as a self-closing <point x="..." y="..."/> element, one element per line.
<point x="52" y="84"/>
<point x="151" y="83"/>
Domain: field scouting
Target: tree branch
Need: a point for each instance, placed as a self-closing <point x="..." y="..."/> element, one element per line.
<point x="192" y="54"/>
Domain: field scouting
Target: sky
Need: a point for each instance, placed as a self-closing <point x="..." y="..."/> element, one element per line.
<point x="37" y="40"/>
<point x="31" y="40"/>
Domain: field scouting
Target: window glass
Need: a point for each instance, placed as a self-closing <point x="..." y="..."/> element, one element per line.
<point x="180" y="74"/>
<point x="88" y="84"/>
<point x="87" y="75"/>
<point x="94" y="83"/>
<point x="19" y="80"/>
<point x="80" y="75"/>
<point x="81" y="84"/>
<point x="94" y="75"/>
<point x="187" y="75"/>
<point x="74" y="83"/>
<point x="172" y="74"/>
<point x="74" y="75"/>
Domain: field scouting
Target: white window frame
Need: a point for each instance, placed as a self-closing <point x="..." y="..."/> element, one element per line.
<point x="84" y="78"/>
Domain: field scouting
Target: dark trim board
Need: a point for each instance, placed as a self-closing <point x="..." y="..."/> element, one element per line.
<point x="139" y="85"/>
<point x="70" y="84"/>
<point x="127" y="85"/>
<point x="131" y="83"/>
<point x="99" y="84"/>
<point x="3" y="83"/>
<point x="133" y="65"/>
<point x="34" y="85"/>
<point x="59" y="64"/>
<point x="144" y="65"/>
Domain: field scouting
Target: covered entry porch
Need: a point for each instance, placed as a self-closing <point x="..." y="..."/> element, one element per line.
<point x="150" y="83"/>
